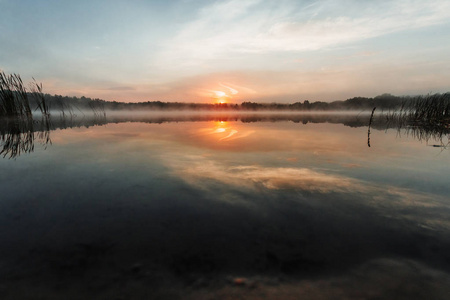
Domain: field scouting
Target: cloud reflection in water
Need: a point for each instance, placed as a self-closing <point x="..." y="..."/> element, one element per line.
<point x="388" y="200"/>
<point x="273" y="198"/>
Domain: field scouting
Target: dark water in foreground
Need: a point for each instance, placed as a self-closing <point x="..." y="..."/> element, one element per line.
<point x="226" y="208"/>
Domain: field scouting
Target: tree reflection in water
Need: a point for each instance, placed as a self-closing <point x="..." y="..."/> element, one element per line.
<point x="18" y="135"/>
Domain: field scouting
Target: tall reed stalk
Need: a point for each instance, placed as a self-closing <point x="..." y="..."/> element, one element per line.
<point x="36" y="91"/>
<point x="425" y="118"/>
<point x="17" y="127"/>
<point x="429" y="110"/>
<point x="13" y="97"/>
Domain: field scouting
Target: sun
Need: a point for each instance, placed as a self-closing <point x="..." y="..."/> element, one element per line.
<point x="220" y="97"/>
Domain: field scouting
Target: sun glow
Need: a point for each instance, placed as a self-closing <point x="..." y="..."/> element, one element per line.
<point x="220" y="126"/>
<point x="220" y="94"/>
<point x="224" y="94"/>
<point x="225" y="130"/>
<point x="220" y="97"/>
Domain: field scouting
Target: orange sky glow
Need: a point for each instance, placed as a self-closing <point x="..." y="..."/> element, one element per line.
<point x="230" y="51"/>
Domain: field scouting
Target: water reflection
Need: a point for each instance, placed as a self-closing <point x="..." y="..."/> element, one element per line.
<point x="438" y="137"/>
<point x="18" y="136"/>
<point x="226" y="129"/>
<point x="216" y="207"/>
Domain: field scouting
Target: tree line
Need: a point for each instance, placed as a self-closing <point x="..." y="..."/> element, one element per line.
<point x="384" y="101"/>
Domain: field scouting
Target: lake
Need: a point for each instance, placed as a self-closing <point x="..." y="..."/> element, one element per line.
<point x="217" y="206"/>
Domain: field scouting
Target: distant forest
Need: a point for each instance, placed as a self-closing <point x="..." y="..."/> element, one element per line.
<point x="383" y="102"/>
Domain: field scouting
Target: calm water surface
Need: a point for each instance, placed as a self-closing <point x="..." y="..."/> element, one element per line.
<point x="226" y="208"/>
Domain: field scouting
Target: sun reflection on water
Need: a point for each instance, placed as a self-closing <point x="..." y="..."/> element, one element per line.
<point x="225" y="130"/>
<point x="220" y="126"/>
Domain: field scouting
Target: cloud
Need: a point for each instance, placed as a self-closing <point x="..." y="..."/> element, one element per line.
<point x="228" y="30"/>
<point x="121" y="88"/>
<point x="231" y="90"/>
<point x="253" y="50"/>
<point x="326" y="84"/>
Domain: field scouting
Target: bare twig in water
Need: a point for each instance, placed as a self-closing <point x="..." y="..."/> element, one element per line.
<point x="370" y="124"/>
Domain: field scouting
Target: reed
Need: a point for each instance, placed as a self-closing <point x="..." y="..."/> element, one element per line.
<point x="17" y="126"/>
<point x="425" y="118"/>
<point x="38" y="95"/>
<point x="425" y="111"/>
<point x="98" y="108"/>
<point x="14" y="100"/>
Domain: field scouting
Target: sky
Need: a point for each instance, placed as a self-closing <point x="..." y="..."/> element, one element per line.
<point x="228" y="51"/>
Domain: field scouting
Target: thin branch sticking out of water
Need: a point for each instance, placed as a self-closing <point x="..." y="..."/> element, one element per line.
<point x="370" y="124"/>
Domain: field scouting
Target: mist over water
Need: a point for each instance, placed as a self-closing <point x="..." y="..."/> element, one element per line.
<point x="192" y="205"/>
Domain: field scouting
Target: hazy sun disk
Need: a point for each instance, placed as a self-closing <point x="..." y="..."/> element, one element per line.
<point x="220" y="96"/>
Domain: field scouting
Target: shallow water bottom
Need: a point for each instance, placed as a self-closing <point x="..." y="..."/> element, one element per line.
<point x="377" y="279"/>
